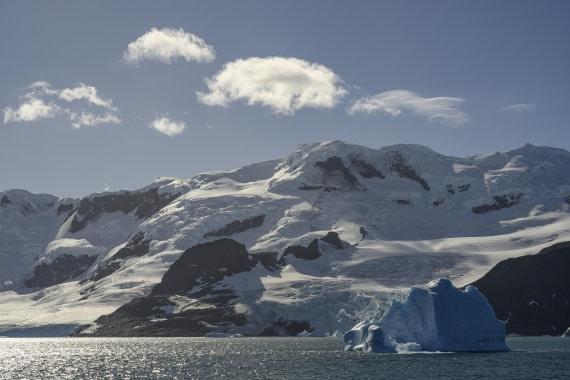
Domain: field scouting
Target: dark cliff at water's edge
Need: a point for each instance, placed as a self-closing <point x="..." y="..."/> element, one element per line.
<point x="531" y="293"/>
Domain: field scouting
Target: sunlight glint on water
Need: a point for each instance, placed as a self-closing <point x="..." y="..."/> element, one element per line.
<point x="266" y="358"/>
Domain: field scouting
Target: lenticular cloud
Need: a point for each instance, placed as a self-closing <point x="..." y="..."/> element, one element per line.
<point x="442" y="110"/>
<point x="285" y="85"/>
<point x="166" y="45"/>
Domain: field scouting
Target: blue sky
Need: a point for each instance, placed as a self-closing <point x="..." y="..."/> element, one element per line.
<point x="108" y="95"/>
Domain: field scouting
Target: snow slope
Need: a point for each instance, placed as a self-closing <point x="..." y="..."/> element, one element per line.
<point x="405" y="215"/>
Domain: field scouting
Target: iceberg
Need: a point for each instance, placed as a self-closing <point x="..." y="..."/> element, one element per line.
<point x="435" y="317"/>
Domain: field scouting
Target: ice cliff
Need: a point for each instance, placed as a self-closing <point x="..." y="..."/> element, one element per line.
<point x="438" y="317"/>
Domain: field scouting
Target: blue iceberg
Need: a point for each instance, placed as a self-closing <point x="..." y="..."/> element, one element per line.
<point x="437" y="317"/>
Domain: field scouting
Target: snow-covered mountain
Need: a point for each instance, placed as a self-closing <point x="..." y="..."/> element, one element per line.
<point x="319" y="240"/>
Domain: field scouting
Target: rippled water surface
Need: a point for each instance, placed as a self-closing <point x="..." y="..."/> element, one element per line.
<point x="268" y="358"/>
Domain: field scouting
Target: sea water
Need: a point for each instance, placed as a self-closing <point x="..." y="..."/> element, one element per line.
<point x="268" y="358"/>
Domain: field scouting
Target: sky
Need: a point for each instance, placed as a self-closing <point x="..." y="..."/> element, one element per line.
<point x="109" y="95"/>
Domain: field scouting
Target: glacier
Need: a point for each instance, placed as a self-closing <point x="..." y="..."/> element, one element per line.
<point x="436" y="317"/>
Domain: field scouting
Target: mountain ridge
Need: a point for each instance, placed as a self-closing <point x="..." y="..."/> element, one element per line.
<point x="403" y="213"/>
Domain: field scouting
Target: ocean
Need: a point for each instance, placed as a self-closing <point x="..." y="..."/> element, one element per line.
<point x="268" y="358"/>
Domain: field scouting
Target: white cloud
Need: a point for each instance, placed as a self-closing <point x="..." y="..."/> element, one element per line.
<point x="283" y="84"/>
<point x="89" y="119"/>
<point x="39" y="102"/>
<point x="39" y="89"/>
<point x="167" y="126"/>
<point x="88" y="93"/>
<point x="519" y="108"/>
<point x="442" y="110"/>
<point x="32" y="110"/>
<point x="165" y="45"/>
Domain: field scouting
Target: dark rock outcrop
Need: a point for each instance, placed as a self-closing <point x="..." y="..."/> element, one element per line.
<point x="63" y="268"/>
<point x="309" y="187"/>
<point x="237" y="226"/>
<point x="5" y="201"/>
<point x="459" y="189"/>
<point x="137" y="246"/>
<point x="531" y="293"/>
<point x="196" y="281"/>
<point x="333" y="239"/>
<point x="312" y="251"/>
<point x="438" y="201"/>
<point x="396" y="162"/>
<point x="150" y="316"/>
<point x="268" y="260"/>
<point x="501" y="202"/>
<point x="106" y="270"/>
<point x="462" y="188"/>
<point x="203" y="265"/>
<point x="364" y="168"/>
<point x="65" y="208"/>
<point x="193" y="278"/>
<point x="333" y="166"/>
<point x="146" y="203"/>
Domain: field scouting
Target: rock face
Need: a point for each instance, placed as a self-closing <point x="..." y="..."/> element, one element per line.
<point x="364" y="168"/>
<point x="137" y="246"/>
<point x="90" y="208"/>
<point x="312" y="251"/>
<point x="334" y="166"/>
<point x="61" y="269"/>
<point x="195" y="297"/>
<point x="398" y="163"/>
<point x="204" y="265"/>
<point x="237" y="226"/>
<point x="531" y="293"/>
<point x="500" y="202"/>
<point x="194" y="279"/>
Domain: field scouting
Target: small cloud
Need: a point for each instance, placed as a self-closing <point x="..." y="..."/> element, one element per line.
<point x="165" y="45"/>
<point x="285" y="85"/>
<point x="31" y="110"/>
<point x="441" y="110"/>
<point x="167" y="126"/>
<point x="91" y="120"/>
<point x="41" y="101"/>
<point x="88" y="93"/>
<point x="519" y="108"/>
<point x="39" y="89"/>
